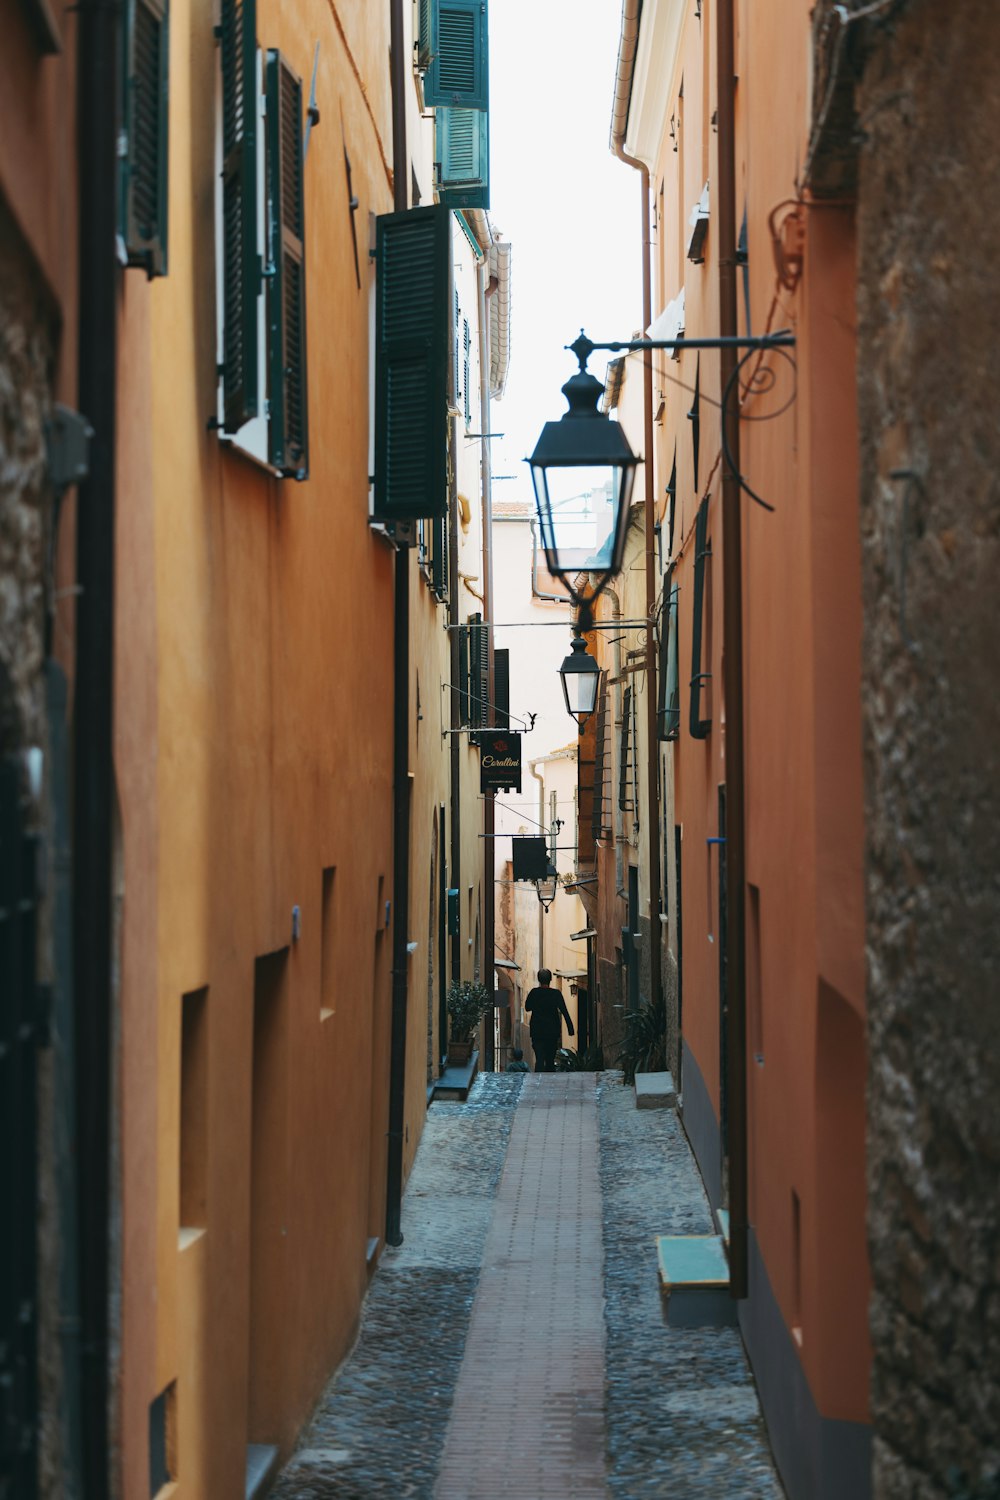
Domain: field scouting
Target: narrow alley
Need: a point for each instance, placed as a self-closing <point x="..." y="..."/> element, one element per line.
<point x="515" y="1344"/>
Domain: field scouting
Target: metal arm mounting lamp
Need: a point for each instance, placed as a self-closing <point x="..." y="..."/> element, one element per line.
<point x="583" y="470"/>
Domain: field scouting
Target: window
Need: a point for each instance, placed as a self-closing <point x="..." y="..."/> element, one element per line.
<point x="143" y="146"/>
<point x="698" y="726"/>
<point x="412" y="332"/>
<point x="260" y="251"/>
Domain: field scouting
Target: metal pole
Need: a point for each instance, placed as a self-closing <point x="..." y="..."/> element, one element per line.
<point x="732" y="572"/>
<point x="400" y="731"/>
<point x="92" y="726"/>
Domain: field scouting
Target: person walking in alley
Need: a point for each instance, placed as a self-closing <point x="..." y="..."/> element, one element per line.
<point x="517" y="1063"/>
<point x="548" y="1009"/>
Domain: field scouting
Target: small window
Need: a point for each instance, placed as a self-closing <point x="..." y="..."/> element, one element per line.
<point x="143" y="147"/>
<point x="162" y="1440"/>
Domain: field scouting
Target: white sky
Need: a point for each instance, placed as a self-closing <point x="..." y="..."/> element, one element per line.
<point x="570" y="209"/>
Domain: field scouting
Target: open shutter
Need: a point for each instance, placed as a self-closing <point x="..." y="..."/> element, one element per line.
<point x="466" y="344"/>
<point x="440" y="529"/>
<point x="413" y="329"/>
<point x="624" y="746"/>
<point x="458" y="71"/>
<point x="144" y="145"/>
<point x="479" y="662"/>
<point x="288" y="425"/>
<point x="600" y="755"/>
<point x="462" y="154"/>
<point x="463" y="675"/>
<point x="669" y="707"/>
<point x="501" y="688"/>
<point x="697" y="726"/>
<point x="241" y="260"/>
<point x="425" y="38"/>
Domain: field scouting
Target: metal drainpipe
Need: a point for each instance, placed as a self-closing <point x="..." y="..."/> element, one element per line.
<point x="400" y="728"/>
<point x="454" y="714"/>
<point x="732" y="569"/>
<point x="652" y="751"/>
<point x="489" y="807"/>
<point x="97" y="90"/>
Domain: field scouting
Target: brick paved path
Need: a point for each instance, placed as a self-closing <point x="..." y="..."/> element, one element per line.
<point x="534" y="1354"/>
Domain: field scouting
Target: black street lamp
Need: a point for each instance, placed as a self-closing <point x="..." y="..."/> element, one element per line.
<point x="546" y="889"/>
<point x="583" y="469"/>
<point x="580" y="678"/>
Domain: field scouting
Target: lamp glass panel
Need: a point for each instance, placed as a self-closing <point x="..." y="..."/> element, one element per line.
<point x="581" y="691"/>
<point x="578" y="518"/>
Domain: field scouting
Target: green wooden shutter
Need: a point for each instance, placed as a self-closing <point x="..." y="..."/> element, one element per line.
<point x="458" y="71"/>
<point x="462" y="154"/>
<point x="697" y="726"/>
<point x="501" y="688"/>
<point x="413" y="329"/>
<point x="144" y="154"/>
<point x="481" y="673"/>
<point x="624" y="749"/>
<point x="600" y="758"/>
<point x="669" y="710"/>
<point x="439" y="555"/>
<point x="466" y="346"/>
<point x="241" y="259"/>
<point x="288" y="404"/>
<point x="425" y="38"/>
<point x="463" y="675"/>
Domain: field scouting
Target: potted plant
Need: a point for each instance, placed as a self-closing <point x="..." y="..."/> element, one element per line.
<point x="467" y="1001"/>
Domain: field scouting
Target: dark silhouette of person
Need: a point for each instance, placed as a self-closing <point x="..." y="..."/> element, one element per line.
<point x="548" y="1010"/>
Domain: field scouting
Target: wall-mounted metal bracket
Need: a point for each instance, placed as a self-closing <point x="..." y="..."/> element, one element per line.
<point x="67" y="444"/>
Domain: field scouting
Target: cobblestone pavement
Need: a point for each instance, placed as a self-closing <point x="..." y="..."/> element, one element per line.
<point x="682" y="1414"/>
<point x="380" y="1427"/>
<point x="680" y="1407"/>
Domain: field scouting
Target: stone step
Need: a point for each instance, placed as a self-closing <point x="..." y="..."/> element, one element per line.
<point x="655" y="1091"/>
<point x="456" y="1080"/>
<point x="694" y="1280"/>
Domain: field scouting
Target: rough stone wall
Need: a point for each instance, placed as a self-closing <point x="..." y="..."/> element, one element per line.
<point x="928" y="108"/>
<point x="26" y="370"/>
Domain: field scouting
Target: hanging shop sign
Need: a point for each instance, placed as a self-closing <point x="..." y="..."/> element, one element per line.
<point x="499" y="761"/>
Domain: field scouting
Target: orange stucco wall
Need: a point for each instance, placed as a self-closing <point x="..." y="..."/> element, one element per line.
<point x="802" y="626"/>
<point x="254" y="694"/>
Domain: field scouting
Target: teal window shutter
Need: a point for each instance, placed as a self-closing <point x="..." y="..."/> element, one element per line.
<point x="501" y="688"/>
<point x="241" y="260"/>
<point x="458" y="66"/>
<point x="425" y="37"/>
<point x="412" y="351"/>
<point x="462" y="154"/>
<point x="288" y="413"/>
<point x="143" y="162"/>
<point x="466" y="346"/>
